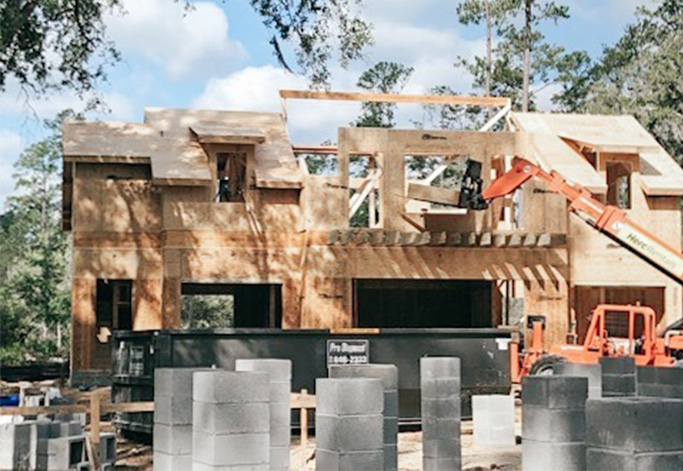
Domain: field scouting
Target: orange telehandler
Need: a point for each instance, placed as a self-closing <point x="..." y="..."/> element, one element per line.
<point x="640" y="339"/>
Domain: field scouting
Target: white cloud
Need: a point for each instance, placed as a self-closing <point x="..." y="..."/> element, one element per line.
<point x="10" y="147"/>
<point x="183" y="43"/>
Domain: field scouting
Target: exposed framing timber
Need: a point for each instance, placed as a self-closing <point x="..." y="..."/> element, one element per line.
<point x="483" y="101"/>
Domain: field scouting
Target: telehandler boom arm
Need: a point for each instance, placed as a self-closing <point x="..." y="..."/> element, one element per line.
<point x="608" y="219"/>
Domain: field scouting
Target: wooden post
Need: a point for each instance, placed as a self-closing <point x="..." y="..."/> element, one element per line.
<point x="304" y="419"/>
<point x="95" y="412"/>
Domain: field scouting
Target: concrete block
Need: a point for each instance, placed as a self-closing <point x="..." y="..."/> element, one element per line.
<point x="448" y="388"/>
<point x="441" y="428"/>
<point x="387" y="373"/>
<point x="436" y="447"/>
<point x="493" y="418"/>
<point x="65" y="452"/>
<point x="168" y="462"/>
<point x="326" y="460"/>
<point x="108" y="448"/>
<point x="231" y="450"/>
<point x="555" y="392"/>
<point x="231" y="418"/>
<point x="280" y="416"/>
<point x="359" y="433"/>
<point x="672" y="375"/>
<point x="435" y="408"/>
<point x="598" y="459"/>
<point x="280" y="392"/>
<point x="174" y="382"/>
<point x="593" y="372"/>
<point x="231" y="387"/>
<point x="15" y="452"/>
<point x="279" y="457"/>
<point x="553" y="425"/>
<point x="439" y="367"/>
<point x="170" y="410"/>
<point x="349" y="396"/>
<point x="390" y="404"/>
<point x="618" y="366"/>
<point x="647" y="374"/>
<point x="206" y="467"/>
<point x="635" y="424"/>
<point x="660" y="390"/>
<point x="441" y="464"/>
<point x="555" y="456"/>
<point x="173" y="440"/>
<point x="614" y="385"/>
<point x="390" y="430"/>
<point x="277" y="369"/>
<point x="280" y="436"/>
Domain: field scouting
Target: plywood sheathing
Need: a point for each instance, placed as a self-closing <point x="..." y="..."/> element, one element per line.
<point x="660" y="174"/>
<point x="218" y="133"/>
<point x="275" y="165"/>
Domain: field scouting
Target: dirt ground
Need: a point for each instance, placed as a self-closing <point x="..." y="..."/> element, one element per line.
<point x="135" y="457"/>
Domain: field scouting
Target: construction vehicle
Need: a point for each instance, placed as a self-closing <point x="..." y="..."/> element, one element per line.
<point x="638" y="337"/>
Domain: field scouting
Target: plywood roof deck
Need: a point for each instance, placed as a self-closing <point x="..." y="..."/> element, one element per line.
<point x="660" y="174"/>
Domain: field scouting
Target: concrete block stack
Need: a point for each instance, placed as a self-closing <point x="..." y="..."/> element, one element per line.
<point x="640" y="434"/>
<point x="349" y="424"/>
<point x="618" y="376"/>
<point x="108" y="450"/>
<point x="388" y="374"/>
<point x="440" y="403"/>
<point x="554" y="423"/>
<point x="493" y="418"/>
<point x="173" y="419"/>
<point x="231" y="421"/>
<point x="593" y="372"/>
<point x="280" y="386"/>
<point x="660" y="382"/>
<point x="15" y="452"/>
<point x="66" y="453"/>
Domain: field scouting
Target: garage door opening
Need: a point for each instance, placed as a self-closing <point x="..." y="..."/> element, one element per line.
<point x="221" y="305"/>
<point x="423" y="303"/>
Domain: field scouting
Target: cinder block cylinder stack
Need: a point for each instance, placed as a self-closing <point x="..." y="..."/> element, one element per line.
<point x="554" y="423"/>
<point x="618" y="376"/>
<point x="592" y="372"/>
<point x="660" y="382"/>
<point x="440" y="391"/>
<point x="231" y="423"/>
<point x="388" y="374"/>
<point x="173" y="419"/>
<point x="493" y="418"/>
<point x="280" y="385"/>
<point x="641" y="434"/>
<point x="349" y="424"/>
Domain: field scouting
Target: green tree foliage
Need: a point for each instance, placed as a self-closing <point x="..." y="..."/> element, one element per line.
<point x="641" y="75"/>
<point x="522" y="57"/>
<point x="207" y="311"/>
<point x="63" y="44"/>
<point x="383" y="77"/>
<point x="35" y="291"/>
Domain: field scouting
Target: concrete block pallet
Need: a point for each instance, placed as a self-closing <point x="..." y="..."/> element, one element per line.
<point x="639" y="434"/>
<point x="554" y="423"/>
<point x="280" y="386"/>
<point x="349" y="424"/>
<point x="441" y="414"/>
<point x="388" y="374"/>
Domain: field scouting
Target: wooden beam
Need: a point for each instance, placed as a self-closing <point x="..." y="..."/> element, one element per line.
<point x="315" y="150"/>
<point x="454" y="238"/>
<point x="421" y="192"/>
<point x="497" y="117"/>
<point x="364" y="190"/>
<point x="483" y="101"/>
<point x="412" y="222"/>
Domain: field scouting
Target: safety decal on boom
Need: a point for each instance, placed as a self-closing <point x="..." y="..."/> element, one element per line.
<point x="651" y="249"/>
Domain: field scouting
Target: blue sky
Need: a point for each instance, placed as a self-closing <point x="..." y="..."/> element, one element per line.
<point x="218" y="56"/>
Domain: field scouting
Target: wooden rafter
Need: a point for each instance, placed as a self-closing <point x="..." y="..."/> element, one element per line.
<point x="483" y="101"/>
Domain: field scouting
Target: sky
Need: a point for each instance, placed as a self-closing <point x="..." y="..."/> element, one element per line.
<point x="217" y="56"/>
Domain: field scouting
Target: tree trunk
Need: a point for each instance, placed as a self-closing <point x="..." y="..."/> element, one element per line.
<point x="488" y="48"/>
<point x="527" y="55"/>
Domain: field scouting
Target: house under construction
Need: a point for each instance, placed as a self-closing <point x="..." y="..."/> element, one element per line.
<point x="195" y="202"/>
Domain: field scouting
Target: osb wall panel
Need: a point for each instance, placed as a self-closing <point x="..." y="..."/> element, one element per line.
<point x="147" y="303"/>
<point x="117" y="264"/>
<point x="550" y="299"/>
<point x="232" y="217"/>
<point x="116" y="206"/>
<point x="325" y="203"/>
<point x="82" y="322"/>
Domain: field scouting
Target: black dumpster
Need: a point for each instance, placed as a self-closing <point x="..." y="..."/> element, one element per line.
<point x="483" y="352"/>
